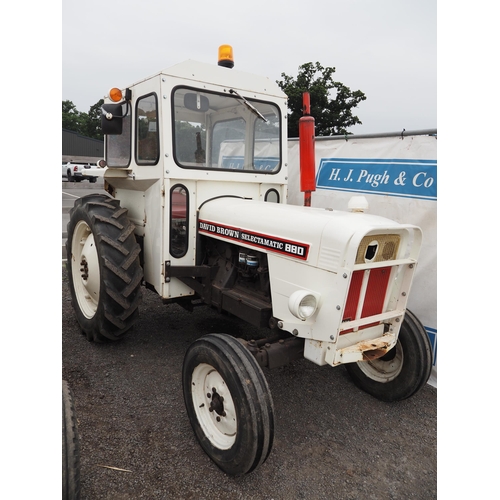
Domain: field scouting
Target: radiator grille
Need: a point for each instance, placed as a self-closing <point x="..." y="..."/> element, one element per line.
<point x="378" y="248"/>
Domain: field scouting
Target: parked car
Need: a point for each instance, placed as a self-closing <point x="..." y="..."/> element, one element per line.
<point x="75" y="171"/>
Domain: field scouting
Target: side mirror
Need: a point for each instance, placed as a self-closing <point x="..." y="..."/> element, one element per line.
<point x="112" y="119"/>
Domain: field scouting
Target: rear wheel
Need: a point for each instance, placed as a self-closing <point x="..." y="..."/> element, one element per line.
<point x="228" y="403"/>
<point x="403" y="371"/>
<point x="104" y="271"/>
<point x="70" y="447"/>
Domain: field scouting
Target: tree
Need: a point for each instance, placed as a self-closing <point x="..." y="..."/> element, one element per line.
<point x="86" y="124"/>
<point x="332" y="102"/>
<point x="92" y="121"/>
<point x="71" y="117"/>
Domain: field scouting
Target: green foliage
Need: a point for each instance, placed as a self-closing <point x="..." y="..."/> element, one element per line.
<point x="86" y="124"/>
<point x="332" y="103"/>
<point x="71" y="117"/>
<point x="92" y="127"/>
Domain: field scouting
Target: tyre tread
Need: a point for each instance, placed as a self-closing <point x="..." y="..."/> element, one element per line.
<point x="414" y="375"/>
<point x="259" y="421"/>
<point x="70" y="447"/>
<point x="121" y="272"/>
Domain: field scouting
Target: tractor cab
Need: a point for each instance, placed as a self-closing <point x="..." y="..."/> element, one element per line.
<point x="184" y="136"/>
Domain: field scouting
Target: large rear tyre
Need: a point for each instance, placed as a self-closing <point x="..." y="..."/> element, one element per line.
<point x="228" y="403"/>
<point x="403" y="371"/>
<point x="70" y="447"/>
<point x="103" y="265"/>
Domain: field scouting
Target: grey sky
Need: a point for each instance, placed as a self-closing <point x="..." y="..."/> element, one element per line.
<point x="385" y="48"/>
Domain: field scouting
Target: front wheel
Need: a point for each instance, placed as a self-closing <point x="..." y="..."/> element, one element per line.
<point x="403" y="371"/>
<point x="228" y="403"/>
<point x="104" y="271"/>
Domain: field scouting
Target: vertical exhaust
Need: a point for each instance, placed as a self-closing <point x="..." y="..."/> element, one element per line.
<point x="306" y="147"/>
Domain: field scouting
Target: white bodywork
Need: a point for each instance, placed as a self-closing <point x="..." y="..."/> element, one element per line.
<point x="324" y="269"/>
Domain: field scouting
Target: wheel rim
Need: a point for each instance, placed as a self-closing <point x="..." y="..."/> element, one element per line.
<point x="384" y="370"/>
<point x="214" y="406"/>
<point x="85" y="269"/>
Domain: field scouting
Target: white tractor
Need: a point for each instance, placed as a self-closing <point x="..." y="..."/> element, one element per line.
<point x="196" y="211"/>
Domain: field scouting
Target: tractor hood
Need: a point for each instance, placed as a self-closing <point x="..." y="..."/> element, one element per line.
<point x="323" y="238"/>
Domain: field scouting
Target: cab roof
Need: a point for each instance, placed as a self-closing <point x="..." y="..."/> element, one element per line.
<point x="199" y="72"/>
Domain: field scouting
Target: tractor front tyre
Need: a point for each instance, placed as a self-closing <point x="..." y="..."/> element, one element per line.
<point x="70" y="447"/>
<point x="403" y="371"/>
<point x="228" y="403"/>
<point x="103" y="265"/>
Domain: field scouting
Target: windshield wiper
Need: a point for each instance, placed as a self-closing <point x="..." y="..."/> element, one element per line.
<point x="252" y="108"/>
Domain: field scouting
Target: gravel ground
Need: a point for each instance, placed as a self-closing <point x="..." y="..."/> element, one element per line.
<point x="331" y="439"/>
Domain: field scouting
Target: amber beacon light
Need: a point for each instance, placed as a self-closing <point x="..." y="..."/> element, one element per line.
<point x="226" y="56"/>
<point x="115" y="94"/>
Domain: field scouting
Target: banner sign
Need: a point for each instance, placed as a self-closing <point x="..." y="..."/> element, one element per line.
<point x="432" y="334"/>
<point x="398" y="177"/>
<point x="268" y="164"/>
<point x="232" y="162"/>
<point x="393" y="177"/>
<point x="278" y="245"/>
<point x="260" y="163"/>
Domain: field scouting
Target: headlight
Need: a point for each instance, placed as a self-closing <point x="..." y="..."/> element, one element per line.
<point x="302" y="304"/>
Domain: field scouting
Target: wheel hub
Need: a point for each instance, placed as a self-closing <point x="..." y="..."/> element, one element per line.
<point x="214" y="406"/>
<point x="216" y="403"/>
<point x="385" y="368"/>
<point x="85" y="269"/>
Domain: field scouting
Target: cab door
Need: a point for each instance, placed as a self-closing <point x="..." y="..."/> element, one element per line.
<point x="180" y="235"/>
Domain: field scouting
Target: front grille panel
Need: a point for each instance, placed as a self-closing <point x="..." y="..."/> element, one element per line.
<point x="366" y="296"/>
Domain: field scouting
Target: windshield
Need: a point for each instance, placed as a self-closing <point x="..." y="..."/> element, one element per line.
<point x="225" y="131"/>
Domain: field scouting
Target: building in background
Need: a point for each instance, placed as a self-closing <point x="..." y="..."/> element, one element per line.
<point x="76" y="147"/>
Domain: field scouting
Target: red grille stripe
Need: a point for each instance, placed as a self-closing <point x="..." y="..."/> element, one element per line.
<point x="351" y="305"/>
<point x="375" y="293"/>
<point x="374" y="297"/>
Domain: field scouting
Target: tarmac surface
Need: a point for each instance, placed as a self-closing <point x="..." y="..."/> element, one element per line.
<point x="332" y="441"/>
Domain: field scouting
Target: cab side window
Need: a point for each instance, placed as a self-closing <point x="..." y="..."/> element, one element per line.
<point x="179" y="208"/>
<point x="147" y="134"/>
